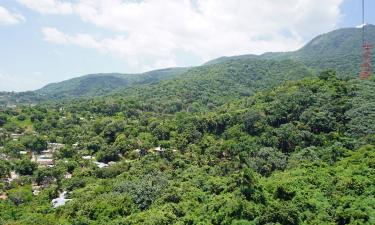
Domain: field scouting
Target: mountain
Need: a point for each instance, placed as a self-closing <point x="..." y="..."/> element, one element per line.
<point x="101" y="84"/>
<point x="339" y="50"/>
<point x="210" y="86"/>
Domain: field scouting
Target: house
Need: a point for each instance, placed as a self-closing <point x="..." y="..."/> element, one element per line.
<point x="11" y="106"/>
<point x="3" y="197"/>
<point x="46" y="156"/>
<point x="159" y="149"/>
<point x="45" y="161"/>
<point x="23" y="152"/>
<point x="48" y="151"/>
<point x="101" y="165"/>
<point x="55" y="146"/>
<point x="88" y="157"/>
<point x="60" y="201"/>
<point x="141" y="152"/>
<point x="15" y="136"/>
<point x="13" y="176"/>
<point x="3" y="156"/>
<point x="68" y="176"/>
<point x="36" y="189"/>
<point x="111" y="163"/>
<point x="33" y="157"/>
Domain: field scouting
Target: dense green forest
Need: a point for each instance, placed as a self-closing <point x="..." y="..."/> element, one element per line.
<point x="102" y="84"/>
<point x="244" y="142"/>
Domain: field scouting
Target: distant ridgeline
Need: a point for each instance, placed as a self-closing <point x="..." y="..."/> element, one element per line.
<point x="340" y="50"/>
<point x="242" y="75"/>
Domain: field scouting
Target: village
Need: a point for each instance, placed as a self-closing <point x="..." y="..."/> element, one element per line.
<point x="46" y="159"/>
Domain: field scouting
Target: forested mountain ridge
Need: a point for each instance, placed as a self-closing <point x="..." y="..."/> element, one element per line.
<point x="102" y="84"/>
<point x="339" y="49"/>
<point x="88" y="86"/>
<point x="301" y="152"/>
<point x="209" y="86"/>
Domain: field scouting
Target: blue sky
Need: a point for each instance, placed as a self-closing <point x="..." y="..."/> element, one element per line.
<point x="44" y="41"/>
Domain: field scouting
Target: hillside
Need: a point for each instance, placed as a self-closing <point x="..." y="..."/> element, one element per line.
<point x="102" y="84"/>
<point x="209" y="86"/>
<point x="339" y="50"/>
<point x="299" y="153"/>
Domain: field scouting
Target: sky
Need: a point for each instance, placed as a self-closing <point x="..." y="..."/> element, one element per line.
<point x="44" y="41"/>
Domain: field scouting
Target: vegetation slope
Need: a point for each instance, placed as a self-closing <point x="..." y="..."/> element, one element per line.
<point x="298" y="153"/>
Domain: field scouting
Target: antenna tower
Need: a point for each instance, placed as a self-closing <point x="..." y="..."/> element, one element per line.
<point x="366" y="49"/>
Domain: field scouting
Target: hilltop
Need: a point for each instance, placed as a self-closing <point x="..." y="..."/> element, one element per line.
<point x="339" y="50"/>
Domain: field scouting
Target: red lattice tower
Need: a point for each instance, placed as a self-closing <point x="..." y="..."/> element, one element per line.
<point x="366" y="64"/>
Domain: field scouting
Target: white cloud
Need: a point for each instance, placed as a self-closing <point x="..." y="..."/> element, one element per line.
<point x="48" y="6"/>
<point x="9" y="18"/>
<point x="150" y="33"/>
<point x="53" y="35"/>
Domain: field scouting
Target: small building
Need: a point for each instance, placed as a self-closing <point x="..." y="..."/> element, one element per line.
<point x="141" y="152"/>
<point x="13" y="176"/>
<point x="11" y="106"/>
<point x="111" y="163"/>
<point x="24" y="152"/>
<point x="101" y="165"/>
<point x="36" y="189"/>
<point x="68" y="176"/>
<point x="3" y="156"/>
<point x="55" y="146"/>
<point x="46" y="156"/>
<point x="47" y="151"/>
<point x="159" y="149"/>
<point x="45" y="162"/>
<point x="3" y="197"/>
<point x="88" y="157"/>
<point x="60" y="201"/>
<point x="15" y="136"/>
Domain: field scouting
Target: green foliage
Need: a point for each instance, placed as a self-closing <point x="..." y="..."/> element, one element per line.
<point x="35" y="143"/>
<point x="143" y="191"/>
<point x="100" y="84"/>
<point x="297" y="153"/>
<point x="25" y="167"/>
<point x="20" y="195"/>
<point x="5" y="168"/>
